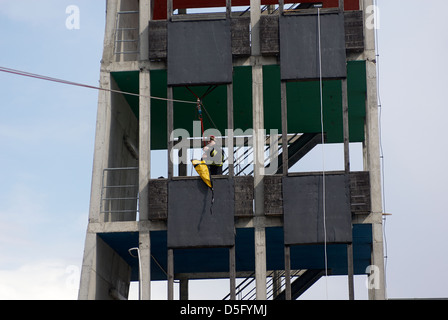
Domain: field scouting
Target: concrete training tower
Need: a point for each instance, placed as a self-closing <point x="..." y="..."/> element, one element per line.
<point x="270" y="80"/>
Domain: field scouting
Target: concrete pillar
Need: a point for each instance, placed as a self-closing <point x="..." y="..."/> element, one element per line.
<point x="144" y="144"/>
<point x="103" y="123"/>
<point x="87" y="282"/>
<point x="144" y="265"/>
<point x="144" y="17"/>
<point x="183" y="288"/>
<point x="109" y="39"/>
<point x="372" y="157"/>
<point x="258" y="140"/>
<point x="105" y="275"/>
<point x="144" y="152"/>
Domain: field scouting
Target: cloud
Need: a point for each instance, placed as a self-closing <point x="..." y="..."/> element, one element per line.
<point x="40" y="280"/>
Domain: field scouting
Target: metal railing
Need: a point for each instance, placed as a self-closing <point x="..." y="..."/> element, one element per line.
<point x="243" y="158"/>
<point x="275" y="284"/>
<point x="119" y="194"/>
<point x="126" y="34"/>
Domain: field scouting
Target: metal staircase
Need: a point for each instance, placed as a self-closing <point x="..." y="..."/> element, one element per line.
<point x="275" y="284"/>
<point x="298" y="146"/>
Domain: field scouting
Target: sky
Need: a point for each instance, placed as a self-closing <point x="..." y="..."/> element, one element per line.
<point x="47" y="133"/>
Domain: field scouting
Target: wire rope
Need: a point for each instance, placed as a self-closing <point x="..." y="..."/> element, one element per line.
<point x="323" y="151"/>
<point x="46" y="78"/>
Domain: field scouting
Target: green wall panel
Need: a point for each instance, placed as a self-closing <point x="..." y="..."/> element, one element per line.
<point x="303" y="103"/>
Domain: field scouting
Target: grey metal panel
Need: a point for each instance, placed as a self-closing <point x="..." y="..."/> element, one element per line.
<point x="299" y="47"/>
<point x="191" y="224"/>
<point x="199" y="52"/>
<point x="303" y="209"/>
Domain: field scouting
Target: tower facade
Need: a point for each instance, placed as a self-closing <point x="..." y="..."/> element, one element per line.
<point x="270" y="81"/>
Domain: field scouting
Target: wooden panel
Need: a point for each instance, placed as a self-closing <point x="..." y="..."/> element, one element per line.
<point x="240" y="36"/>
<point x="269" y="40"/>
<point x="273" y="198"/>
<point x="354" y="31"/>
<point x="354" y="36"/>
<point x="158" y="199"/>
<point x="157" y="39"/>
<point x="244" y="196"/>
<point x="360" y="192"/>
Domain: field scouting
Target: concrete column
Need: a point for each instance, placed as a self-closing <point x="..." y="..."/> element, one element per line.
<point x="170" y="271"/>
<point x="87" y="283"/>
<point x="258" y="140"/>
<point x="105" y="275"/>
<point x="259" y="219"/>
<point x="170" y="124"/>
<point x="144" y="143"/>
<point x="144" y="153"/>
<point x="101" y="152"/>
<point x="255" y="14"/>
<point x="144" y="17"/>
<point x="372" y="157"/>
<point x="145" y="265"/>
<point x="284" y="104"/>
<point x="287" y="249"/>
<point x="350" y="271"/>
<point x="230" y="128"/>
<point x="232" y="273"/>
<point x="183" y="288"/>
<point x="144" y="160"/>
<point x="109" y="39"/>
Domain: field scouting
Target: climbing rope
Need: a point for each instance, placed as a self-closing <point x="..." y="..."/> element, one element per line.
<point x="323" y="151"/>
<point x="46" y="78"/>
<point x="200" y="106"/>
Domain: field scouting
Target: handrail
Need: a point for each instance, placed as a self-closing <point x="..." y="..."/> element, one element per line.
<point x="119" y="197"/>
<point x="120" y="35"/>
<point x="271" y="278"/>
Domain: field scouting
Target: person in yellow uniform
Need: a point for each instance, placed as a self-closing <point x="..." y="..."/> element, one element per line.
<point x="213" y="156"/>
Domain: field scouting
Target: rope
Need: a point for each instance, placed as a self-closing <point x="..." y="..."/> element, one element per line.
<point x="323" y="151"/>
<point x="380" y="108"/>
<point x="46" y="78"/>
<point x="200" y="106"/>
